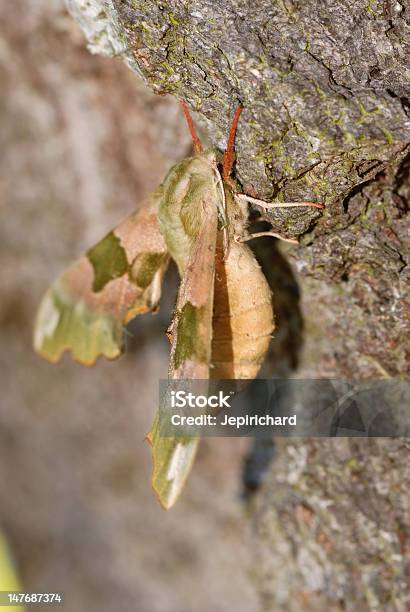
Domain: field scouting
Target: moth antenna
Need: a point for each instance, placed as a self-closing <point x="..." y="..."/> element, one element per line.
<point x="229" y="155"/>
<point x="195" y="139"/>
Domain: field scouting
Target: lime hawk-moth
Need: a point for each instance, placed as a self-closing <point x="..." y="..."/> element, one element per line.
<point x="223" y="319"/>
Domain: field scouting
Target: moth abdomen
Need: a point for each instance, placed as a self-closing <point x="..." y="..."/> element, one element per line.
<point x="243" y="315"/>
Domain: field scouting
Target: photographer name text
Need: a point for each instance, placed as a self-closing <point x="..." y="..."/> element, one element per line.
<point x="202" y="420"/>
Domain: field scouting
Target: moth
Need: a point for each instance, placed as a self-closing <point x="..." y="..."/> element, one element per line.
<point x="223" y="319"/>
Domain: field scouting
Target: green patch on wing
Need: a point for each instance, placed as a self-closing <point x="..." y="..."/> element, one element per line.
<point x="63" y="324"/>
<point x="189" y="344"/>
<point x="109" y="261"/>
<point x="173" y="459"/>
<point x="144" y="268"/>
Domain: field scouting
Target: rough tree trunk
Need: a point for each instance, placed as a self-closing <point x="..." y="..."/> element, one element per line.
<point x="326" y="92"/>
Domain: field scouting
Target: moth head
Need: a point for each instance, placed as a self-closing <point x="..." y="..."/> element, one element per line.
<point x="210" y="156"/>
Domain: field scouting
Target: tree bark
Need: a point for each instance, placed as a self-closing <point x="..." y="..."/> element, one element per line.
<point x="326" y="94"/>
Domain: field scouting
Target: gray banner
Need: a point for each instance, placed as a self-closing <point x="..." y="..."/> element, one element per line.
<point x="283" y="407"/>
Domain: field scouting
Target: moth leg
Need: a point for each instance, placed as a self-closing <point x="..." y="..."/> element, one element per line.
<point x="260" y="234"/>
<point x="242" y="197"/>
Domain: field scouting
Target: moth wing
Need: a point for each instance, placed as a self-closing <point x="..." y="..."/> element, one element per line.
<point x="86" y="308"/>
<point x="172" y="462"/>
<point x="191" y="341"/>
